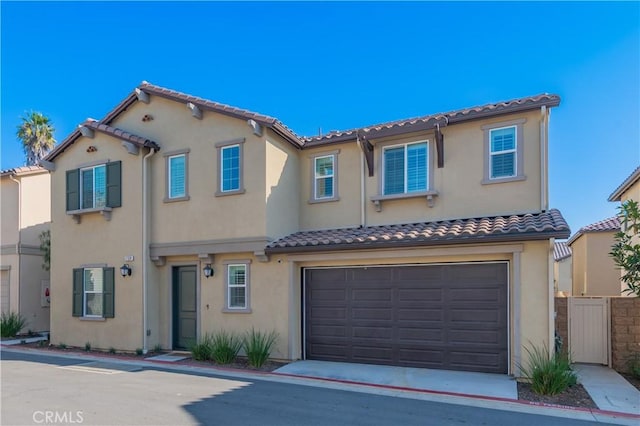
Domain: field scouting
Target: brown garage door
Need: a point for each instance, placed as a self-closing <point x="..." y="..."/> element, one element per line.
<point x="451" y="316"/>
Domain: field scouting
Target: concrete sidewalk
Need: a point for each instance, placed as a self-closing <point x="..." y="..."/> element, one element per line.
<point x="452" y="390"/>
<point x="608" y="389"/>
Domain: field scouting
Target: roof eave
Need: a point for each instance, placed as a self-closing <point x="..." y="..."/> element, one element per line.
<point x="528" y="236"/>
<point x="428" y="122"/>
<point x="625" y="185"/>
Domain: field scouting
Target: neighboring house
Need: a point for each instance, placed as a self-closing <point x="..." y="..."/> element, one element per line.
<point x="629" y="189"/>
<point x="594" y="272"/>
<point x="25" y="195"/>
<point x="425" y="242"/>
<point x="562" y="268"/>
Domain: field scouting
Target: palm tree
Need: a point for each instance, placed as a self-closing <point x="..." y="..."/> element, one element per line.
<point x="36" y="134"/>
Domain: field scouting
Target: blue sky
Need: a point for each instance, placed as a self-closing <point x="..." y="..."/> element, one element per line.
<point x="342" y="65"/>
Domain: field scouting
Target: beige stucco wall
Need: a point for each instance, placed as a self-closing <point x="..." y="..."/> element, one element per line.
<point x="632" y="193"/>
<point x="25" y="214"/>
<point x="594" y="272"/>
<point x="562" y="275"/>
<point x="461" y="193"/>
<point x="97" y="241"/>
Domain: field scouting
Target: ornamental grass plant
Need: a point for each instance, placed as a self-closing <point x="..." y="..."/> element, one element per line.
<point x="548" y="374"/>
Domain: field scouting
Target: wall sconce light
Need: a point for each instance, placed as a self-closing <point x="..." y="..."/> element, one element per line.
<point x="125" y="270"/>
<point x="208" y="270"/>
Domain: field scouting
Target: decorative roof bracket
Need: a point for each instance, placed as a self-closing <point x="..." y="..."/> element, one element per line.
<point x="142" y="95"/>
<point x="195" y="110"/>
<point x="367" y="150"/>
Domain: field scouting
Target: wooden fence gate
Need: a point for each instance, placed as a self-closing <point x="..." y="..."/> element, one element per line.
<point x="589" y="329"/>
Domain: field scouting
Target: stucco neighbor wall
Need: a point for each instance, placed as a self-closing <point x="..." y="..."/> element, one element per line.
<point x="594" y="272"/>
<point x="562" y="275"/>
<point x="25" y="213"/>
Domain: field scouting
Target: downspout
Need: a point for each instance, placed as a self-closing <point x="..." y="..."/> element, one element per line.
<point x="544" y="158"/>
<point x="145" y="247"/>
<point x="363" y="219"/>
<point x="19" y="243"/>
<point x="551" y="299"/>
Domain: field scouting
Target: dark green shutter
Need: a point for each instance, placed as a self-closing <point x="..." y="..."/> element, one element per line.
<point x="78" y="292"/>
<point x="114" y="185"/>
<point x="73" y="189"/>
<point x="108" y="293"/>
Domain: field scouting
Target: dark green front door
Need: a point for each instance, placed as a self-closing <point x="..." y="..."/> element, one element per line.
<point x="185" y="311"/>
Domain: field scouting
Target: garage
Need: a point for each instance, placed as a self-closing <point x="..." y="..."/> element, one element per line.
<point x="443" y="316"/>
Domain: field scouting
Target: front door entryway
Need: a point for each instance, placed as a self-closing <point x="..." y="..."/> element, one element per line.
<point x="185" y="311"/>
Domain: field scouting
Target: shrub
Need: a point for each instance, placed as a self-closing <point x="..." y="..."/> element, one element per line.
<point x="549" y="374"/>
<point x="11" y="324"/>
<point x="257" y="345"/>
<point x="139" y="351"/>
<point x="87" y="346"/>
<point x="634" y="365"/>
<point x="157" y="348"/>
<point x="203" y="351"/>
<point x="112" y="350"/>
<point x="225" y="347"/>
<point x="62" y="346"/>
<point x="42" y="343"/>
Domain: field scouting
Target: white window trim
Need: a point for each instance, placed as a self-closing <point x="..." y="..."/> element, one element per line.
<point x="519" y="156"/>
<point x="405" y="145"/>
<point x="514" y="150"/>
<point x="93" y="189"/>
<point x="170" y="176"/>
<point x="220" y="147"/>
<point x="85" y="292"/>
<point x="247" y="286"/>
<point x="313" y="198"/>
<point x="222" y="151"/>
<point x="167" y="193"/>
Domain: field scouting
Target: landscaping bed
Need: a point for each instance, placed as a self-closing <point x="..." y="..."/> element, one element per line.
<point x="573" y="396"/>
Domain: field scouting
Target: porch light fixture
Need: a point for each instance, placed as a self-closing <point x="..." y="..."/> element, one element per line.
<point x="208" y="270"/>
<point x="125" y="270"/>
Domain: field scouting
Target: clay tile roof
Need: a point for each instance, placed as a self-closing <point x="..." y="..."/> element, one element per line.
<point x="22" y="170"/>
<point x="121" y="134"/>
<point x="561" y="251"/>
<point x="625" y="185"/>
<point x="611" y="224"/>
<point x="429" y="121"/>
<point x="522" y="227"/>
<point x="232" y="111"/>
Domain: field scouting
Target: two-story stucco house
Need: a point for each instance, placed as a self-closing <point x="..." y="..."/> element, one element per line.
<point x="25" y="200"/>
<point x="425" y="242"/>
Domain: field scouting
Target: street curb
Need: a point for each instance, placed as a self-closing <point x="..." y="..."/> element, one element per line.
<point x="546" y="409"/>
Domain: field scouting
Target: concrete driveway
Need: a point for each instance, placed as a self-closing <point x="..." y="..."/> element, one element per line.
<point x="454" y="382"/>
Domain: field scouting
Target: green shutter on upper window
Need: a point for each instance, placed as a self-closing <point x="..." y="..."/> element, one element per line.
<point x="73" y="189"/>
<point x="114" y="184"/>
<point x="108" y="293"/>
<point x="78" y="292"/>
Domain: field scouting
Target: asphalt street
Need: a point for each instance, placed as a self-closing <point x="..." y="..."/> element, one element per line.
<point x="40" y="389"/>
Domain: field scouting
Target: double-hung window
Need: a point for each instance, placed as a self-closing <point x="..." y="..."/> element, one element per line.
<point x="177" y="177"/>
<point x="230" y="171"/>
<point x="405" y="168"/>
<point x="324" y="177"/>
<point x="94" y="187"/>
<point x="503" y="152"/>
<point x="93" y="292"/>
<point x="230" y="167"/>
<point x="237" y="292"/>
<point x="93" y="183"/>
<point x="177" y="172"/>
